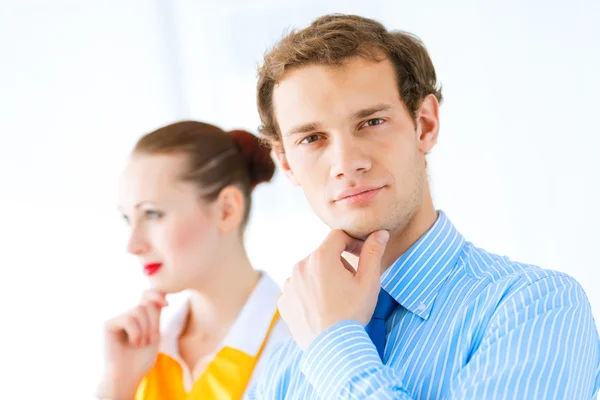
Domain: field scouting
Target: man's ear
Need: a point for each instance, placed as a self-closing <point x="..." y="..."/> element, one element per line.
<point x="428" y="124"/>
<point x="285" y="166"/>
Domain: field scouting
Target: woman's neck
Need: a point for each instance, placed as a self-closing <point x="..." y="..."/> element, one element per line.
<point x="214" y="307"/>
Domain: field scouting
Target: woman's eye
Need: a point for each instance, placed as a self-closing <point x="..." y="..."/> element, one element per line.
<point x="373" y="122"/>
<point x="151" y="214"/>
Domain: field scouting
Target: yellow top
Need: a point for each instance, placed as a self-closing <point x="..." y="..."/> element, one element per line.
<point x="241" y="357"/>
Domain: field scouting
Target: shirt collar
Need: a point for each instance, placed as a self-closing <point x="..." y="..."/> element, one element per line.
<point x="246" y="334"/>
<point x="415" y="278"/>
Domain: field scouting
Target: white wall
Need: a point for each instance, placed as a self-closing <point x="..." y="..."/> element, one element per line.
<point x="516" y="167"/>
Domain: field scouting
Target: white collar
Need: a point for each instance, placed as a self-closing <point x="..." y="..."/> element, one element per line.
<point x="248" y="331"/>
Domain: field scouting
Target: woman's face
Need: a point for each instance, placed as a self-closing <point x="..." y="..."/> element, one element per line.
<point x="173" y="232"/>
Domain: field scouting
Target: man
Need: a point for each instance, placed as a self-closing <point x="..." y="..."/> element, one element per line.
<point x="352" y="111"/>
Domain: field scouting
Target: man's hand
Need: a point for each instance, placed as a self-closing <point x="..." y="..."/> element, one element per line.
<point x="324" y="289"/>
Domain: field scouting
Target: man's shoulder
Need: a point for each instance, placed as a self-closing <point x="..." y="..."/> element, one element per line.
<point x="480" y="264"/>
<point x="283" y="364"/>
<point x="286" y="353"/>
<point x="502" y="276"/>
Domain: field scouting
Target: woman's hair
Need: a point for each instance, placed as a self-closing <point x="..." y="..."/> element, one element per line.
<point x="215" y="158"/>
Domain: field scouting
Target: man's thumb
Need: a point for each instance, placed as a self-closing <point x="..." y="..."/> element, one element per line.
<point x="369" y="261"/>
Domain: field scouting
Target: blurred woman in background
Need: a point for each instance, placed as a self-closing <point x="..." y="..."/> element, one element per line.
<point x="186" y="194"/>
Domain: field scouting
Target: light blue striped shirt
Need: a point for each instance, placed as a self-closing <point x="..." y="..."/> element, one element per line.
<point x="470" y="325"/>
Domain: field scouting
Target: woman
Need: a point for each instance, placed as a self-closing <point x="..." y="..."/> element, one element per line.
<point x="186" y="194"/>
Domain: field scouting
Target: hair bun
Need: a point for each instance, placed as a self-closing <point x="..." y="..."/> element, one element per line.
<point x="257" y="155"/>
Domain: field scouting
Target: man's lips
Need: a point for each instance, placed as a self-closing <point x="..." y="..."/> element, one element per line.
<point x="358" y="194"/>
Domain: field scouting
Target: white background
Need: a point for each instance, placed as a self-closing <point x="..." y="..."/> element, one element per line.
<point x="516" y="169"/>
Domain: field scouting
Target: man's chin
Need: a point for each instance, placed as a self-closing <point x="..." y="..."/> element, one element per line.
<point x="358" y="224"/>
<point x="360" y="235"/>
<point x="358" y="231"/>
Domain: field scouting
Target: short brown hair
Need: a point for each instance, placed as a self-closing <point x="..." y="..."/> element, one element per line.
<point x="332" y="39"/>
<point x="215" y="158"/>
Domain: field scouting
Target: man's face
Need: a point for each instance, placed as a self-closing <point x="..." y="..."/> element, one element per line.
<point x="351" y="144"/>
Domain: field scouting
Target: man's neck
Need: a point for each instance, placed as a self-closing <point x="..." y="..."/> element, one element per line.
<point x="401" y="240"/>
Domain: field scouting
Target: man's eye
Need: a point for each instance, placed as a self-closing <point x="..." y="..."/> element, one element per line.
<point x="309" y="139"/>
<point x="373" y="122"/>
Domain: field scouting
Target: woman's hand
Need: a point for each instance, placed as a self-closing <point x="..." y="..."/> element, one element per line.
<point x="131" y="343"/>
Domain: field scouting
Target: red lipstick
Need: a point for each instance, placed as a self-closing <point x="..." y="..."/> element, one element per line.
<point x="151" y="269"/>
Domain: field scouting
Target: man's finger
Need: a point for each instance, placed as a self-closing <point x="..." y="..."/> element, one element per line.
<point x="338" y="241"/>
<point x="347" y="265"/>
<point x="355" y="248"/>
<point x="369" y="261"/>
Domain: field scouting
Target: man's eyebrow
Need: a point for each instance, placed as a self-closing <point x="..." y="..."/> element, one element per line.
<point x="365" y="112"/>
<point x="309" y="127"/>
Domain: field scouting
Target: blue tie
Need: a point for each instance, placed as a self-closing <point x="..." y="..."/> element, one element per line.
<point x="376" y="327"/>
